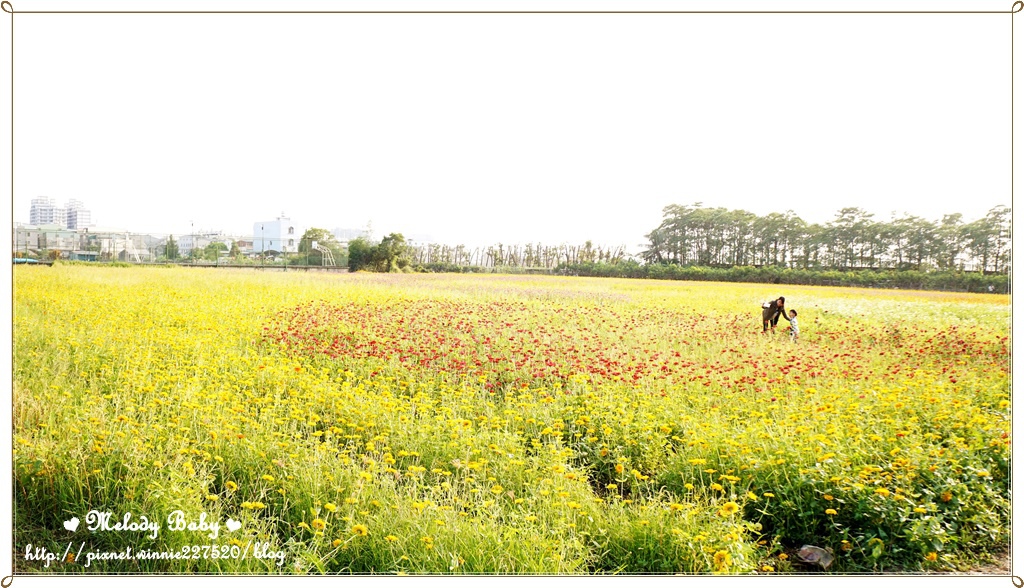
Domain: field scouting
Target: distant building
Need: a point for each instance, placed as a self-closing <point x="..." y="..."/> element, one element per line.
<point x="37" y="241"/>
<point x="281" y="235"/>
<point x="45" y="212"/>
<point x="112" y="243"/>
<point x="72" y="215"/>
<point x="346" y="235"/>
<point x="244" y="245"/>
<point x="200" y="240"/>
<point x="78" y="217"/>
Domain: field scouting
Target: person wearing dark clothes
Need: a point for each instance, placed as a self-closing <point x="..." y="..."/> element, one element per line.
<point x="770" y="312"/>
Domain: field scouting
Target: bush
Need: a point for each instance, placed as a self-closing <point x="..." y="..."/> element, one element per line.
<point x="898" y="279"/>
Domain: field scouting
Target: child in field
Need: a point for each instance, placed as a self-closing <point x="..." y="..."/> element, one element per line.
<point x="794" y="328"/>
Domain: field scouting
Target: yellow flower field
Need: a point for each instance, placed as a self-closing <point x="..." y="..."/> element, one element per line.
<point x="459" y="424"/>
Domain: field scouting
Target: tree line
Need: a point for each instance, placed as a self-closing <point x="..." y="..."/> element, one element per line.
<point x="718" y="237"/>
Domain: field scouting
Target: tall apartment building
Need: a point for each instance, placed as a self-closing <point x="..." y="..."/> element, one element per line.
<point x="45" y="212"/>
<point x="78" y="216"/>
<point x="72" y="215"/>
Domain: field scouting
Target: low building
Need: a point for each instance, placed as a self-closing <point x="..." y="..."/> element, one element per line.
<point x="41" y="240"/>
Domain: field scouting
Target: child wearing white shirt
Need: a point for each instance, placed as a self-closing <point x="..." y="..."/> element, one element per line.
<point x="794" y="328"/>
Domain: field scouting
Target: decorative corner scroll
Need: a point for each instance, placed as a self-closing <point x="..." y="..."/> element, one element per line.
<point x="7" y="580"/>
<point x="1017" y="7"/>
<point x="10" y="10"/>
<point x="1017" y="580"/>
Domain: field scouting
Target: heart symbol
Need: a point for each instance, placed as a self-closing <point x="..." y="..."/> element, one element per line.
<point x="231" y="524"/>
<point x="72" y="525"/>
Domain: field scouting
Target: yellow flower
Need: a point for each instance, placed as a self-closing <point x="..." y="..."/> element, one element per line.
<point x="611" y="486"/>
<point x="675" y="506"/>
<point x="360" y="530"/>
<point x="946" y="496"/>
<point x="783" y="556"/>
<point x="830" y="511"/>
<point x="619" y="468"/>
<point x="231" y="486"/>
<point x="330" y="506"/>
<point x="211" y="497"/>
<point x="767" y="568"/>
<point x="984" y="474"/>
<point x="882" y="491"/>
<point x="391" y="538"/>
<point x="318" y="524"/>
<point x="716" y="486"/>
<point x="828" y="497"/>
<point x="729" y="508"/>
<point x="268" y="478"/>
<point x="920" y="510"/>
<point x="932" y="556"/>
<point x="722" y="560"/>
<point x="350" y="500"/>
<point x="496" y="489"/>
<point x="768" y="495"/>
<point x="751" y="495"/>
<point x="336" y="543"/>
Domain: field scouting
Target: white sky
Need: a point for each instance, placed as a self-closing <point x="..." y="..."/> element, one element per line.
<point x="479" y="129"/>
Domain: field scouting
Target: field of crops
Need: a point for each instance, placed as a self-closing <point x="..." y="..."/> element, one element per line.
<point x="459" y="424"/>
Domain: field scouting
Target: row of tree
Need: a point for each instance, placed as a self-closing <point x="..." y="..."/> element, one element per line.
<point x="698" y="235"/>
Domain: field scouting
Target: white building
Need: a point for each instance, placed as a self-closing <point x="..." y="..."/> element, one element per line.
<point x="73" y="215"/>
<point x="45" y="212"/>
<point x="198" y="240"/>
<point x="78" y="217"/>
<point x="280" y="235"/>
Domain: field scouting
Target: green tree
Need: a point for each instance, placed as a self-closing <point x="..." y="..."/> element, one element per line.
<point x="950" y="241"/>
<point x="999" y="219"/>
<point x="212" y="251"/>
<point x="235" y="252"/>
<point x="171" y="249"/>
<point x="360" y="254"/>
<point x="392" y="253"/>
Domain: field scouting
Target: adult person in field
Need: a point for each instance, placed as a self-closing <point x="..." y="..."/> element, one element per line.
<point x="770" y="312"/>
